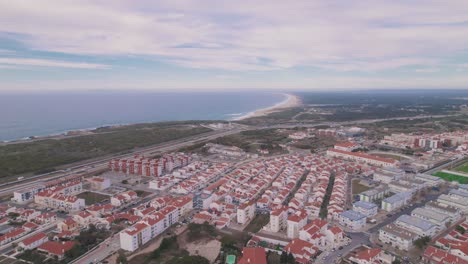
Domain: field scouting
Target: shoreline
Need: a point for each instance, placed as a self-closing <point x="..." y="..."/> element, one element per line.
<point x="289" y="102"/>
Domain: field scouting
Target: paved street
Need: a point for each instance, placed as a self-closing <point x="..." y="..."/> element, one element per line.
<point x="101" y="252"/>
<point x="358" y="239"/>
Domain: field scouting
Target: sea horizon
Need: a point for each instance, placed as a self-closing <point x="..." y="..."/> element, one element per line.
<point x="23" y="116"/>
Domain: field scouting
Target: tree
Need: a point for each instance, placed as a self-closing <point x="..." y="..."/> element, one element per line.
<point x="422" y="242"/>
<point x="460" y="229"/>
<point x="291" y="259"/>
<point x="284" y="257"/>
<point x="122" y="259"/>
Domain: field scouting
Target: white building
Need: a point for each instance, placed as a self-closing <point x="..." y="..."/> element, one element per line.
<point x="386" y="175"/>
<point x="429" y="179"/>
<point x="296" y="222"/>
<point x="278" y="220"/>
<point x="396" y="201"/>
<point x="366" y="208"/>
<point x="437" y="218"/>
<point x="397" y="237"/>
<point x="33" y="242"/>
<point x="416" y="225"/>
<point x="135" y="236"/>
<point x="245" y="212"/>
<point x="99" y="183"/>
<point x="346" y="146"/>
<point x="454" y="213"/>
<point x="455" y="198"/>
<point x="60" y="201"/>
<point x="374" y="194"/>
<point x="352" y="219"/>
<point x="27" y="194"/>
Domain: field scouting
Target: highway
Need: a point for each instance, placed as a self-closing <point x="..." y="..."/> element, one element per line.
<point x="93" y="166"/>
<point x="97" y="165"/>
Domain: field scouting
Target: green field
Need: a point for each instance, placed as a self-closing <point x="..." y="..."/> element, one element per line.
<point x="462" y="168"/>
<point x="451" y="177"/>
<point x="43" y="156"/>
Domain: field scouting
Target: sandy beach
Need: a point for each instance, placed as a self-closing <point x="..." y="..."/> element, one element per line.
<point x="289" y="102"/>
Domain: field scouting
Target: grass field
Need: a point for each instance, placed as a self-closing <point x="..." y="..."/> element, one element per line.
<point x="451" y="177"/>
<point x="92" y="197"/>
<point x="462" y="168"/>
<point x="358" y="187"/>
<point x="45" y="155"/>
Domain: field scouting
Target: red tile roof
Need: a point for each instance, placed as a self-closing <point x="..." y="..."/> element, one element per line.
<point x="56" y="248"/>
<point x="253" y="256"/>
<point x="368" y="254"/>
<point x="34" y="238"/>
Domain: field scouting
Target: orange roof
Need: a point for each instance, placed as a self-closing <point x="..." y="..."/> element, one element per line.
<point x="34" y="238"/>
<point x="253" y="256"/>
<point x="136" y="228"/>
<point x="368" y="254"/>
<point x="56" y="248"/>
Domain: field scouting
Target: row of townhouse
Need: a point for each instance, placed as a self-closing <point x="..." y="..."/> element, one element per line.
<point x="452" y="248"/>
<point x="362" y="157"/>
<point x="67" y="186"/>
<point x="339" y="195"/>
<point x="123" y="198"/>
<point x="154" y="223"/>
<point x="167" y="181"/>
<point x="323" y="236"/>
<point x="200" y="179"/>
<point x="432" y="141"/>
<point x="140" y="165"/>
<point x="314" y="237"/>
<point x="49" y="198"/>
<point x="370" y="256"/>
<point x="304" y="196"/>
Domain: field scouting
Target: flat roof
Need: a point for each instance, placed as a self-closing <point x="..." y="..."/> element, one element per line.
<point x="399" y="232"/>
<point x="459" y="192"/>
<point x="428" y="213"/>
<point x="365" y="205"/>
<point x="352" y="215"/>
<point x="416" y="222"/>
<point x="397" y="197"/>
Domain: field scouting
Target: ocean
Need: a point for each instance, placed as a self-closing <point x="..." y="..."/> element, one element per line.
<point x="25" y="115"/>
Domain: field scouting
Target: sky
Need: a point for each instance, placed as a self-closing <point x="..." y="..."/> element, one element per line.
<point x="75" y="45"/>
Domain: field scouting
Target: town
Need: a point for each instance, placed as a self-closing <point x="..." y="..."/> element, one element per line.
<point x="401" y="199"/>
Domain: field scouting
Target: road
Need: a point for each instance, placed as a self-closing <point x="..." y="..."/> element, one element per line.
<point x="361" y="238"/>
<point x="357" y="239"/>
<point x="101" y="251"/>
<point x="96" y="165"/>
<point x="92" y="166"/>
<point x="46" y="229"/>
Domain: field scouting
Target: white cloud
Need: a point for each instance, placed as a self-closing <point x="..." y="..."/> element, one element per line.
<point x="256" y="35"/>
<point x="8" y="62"/>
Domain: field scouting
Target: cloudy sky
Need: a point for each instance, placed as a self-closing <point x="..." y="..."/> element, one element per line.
<point x="216" y="44"/>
